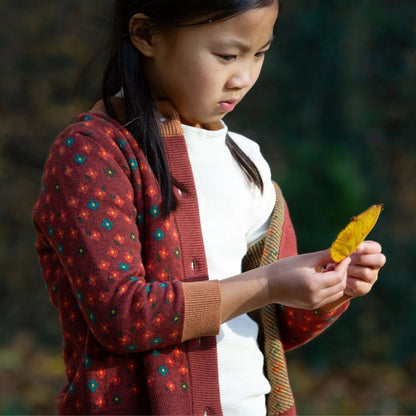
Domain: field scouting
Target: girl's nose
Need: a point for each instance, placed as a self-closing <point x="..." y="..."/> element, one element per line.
<point x="243" y="78"/>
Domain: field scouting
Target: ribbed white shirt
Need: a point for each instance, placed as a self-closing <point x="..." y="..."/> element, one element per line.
<point x="234" y="214"/>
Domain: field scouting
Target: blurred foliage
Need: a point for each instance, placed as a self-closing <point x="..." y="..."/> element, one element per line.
<point x="334" y="112"/>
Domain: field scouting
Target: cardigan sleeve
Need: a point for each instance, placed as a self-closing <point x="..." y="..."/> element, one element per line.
<point x="91" y="250"/>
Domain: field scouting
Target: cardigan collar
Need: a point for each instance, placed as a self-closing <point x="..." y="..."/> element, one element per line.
<point x="169" y="120"/>
<point x="168" y="116"/>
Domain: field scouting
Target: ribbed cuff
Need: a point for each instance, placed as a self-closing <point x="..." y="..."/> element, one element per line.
<point x="202" y="309"/>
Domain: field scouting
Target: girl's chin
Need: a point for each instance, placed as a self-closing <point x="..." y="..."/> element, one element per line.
<point x="207" y="125"/>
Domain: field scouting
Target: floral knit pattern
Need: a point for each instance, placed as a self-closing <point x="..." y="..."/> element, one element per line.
<point x="111" y="289"/>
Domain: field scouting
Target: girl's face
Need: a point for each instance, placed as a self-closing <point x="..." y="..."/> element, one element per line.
<point x="206" y="70"/>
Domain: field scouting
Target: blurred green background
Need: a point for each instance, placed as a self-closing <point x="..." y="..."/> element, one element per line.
<point x="334" y="112"/>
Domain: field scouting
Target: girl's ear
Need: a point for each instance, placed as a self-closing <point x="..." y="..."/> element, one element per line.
<point x="140" y="29"/>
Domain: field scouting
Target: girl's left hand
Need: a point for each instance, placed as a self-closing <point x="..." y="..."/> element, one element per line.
<point x="363" y="270"/>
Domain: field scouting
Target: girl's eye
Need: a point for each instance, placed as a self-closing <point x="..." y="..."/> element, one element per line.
<point x="260" y="54"/>
<point x="228" y="58"/>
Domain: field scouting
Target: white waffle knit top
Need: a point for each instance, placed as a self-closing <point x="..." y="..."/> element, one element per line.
<point x="234" y="214"/>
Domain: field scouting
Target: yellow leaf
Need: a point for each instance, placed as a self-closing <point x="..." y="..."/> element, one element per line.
<point x="354" y="233"/>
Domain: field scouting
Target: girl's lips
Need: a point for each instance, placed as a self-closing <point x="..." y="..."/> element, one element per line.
<point x="227" y="106"/>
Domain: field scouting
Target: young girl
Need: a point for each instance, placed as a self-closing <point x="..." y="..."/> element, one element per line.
<point x="163" y="241"/>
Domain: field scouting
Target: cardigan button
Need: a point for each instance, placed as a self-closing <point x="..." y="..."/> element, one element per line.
<point x="179" y="192"/>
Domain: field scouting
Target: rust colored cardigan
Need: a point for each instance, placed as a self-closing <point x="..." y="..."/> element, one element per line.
<point x="138" y="313"/>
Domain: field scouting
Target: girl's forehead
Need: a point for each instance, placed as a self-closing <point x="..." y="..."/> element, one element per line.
<point x="238" y="31"/>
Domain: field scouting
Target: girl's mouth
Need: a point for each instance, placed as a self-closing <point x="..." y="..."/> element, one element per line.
<point x="227" y="106"/>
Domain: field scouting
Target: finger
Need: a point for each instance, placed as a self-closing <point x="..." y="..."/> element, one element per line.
<point x="321" y="258"/>
<point x="342" y="266"/>
<point x="359" y="272"/>
<point x="333" y="293"/>
<point x="375" y="261"/>
<point x="317" y="259"/>
<point x="369" y="246"/>
<point x="357" y="287"/>
<point x="365" y="274"/>
<point x="327" y="268"/>
<point x="335" y="279"/>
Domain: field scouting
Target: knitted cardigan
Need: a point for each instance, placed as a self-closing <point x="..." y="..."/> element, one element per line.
<point x="138" y="313"/>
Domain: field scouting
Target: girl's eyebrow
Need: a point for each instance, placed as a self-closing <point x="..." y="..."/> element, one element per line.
<point x="235" y="43"/>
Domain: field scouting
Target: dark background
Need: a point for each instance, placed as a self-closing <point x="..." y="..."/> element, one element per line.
<point x="334" y="112"/>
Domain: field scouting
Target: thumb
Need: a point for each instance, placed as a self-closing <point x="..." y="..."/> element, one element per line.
<point x="342" y="266"/>
<point x="321" y="258"/>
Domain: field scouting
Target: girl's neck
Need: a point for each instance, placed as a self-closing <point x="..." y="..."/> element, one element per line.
<point x="118" y="104"/>
<point x="217" y="125"/>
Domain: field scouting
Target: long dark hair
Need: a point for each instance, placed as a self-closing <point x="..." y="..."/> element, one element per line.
<point x="124" y="72"/>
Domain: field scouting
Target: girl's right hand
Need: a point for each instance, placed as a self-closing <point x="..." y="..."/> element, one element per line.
<point x="292" y="281"/>
<point x="295" y="281"/>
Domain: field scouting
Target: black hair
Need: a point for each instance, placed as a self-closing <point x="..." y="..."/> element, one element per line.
<point x="123" y="72"/>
